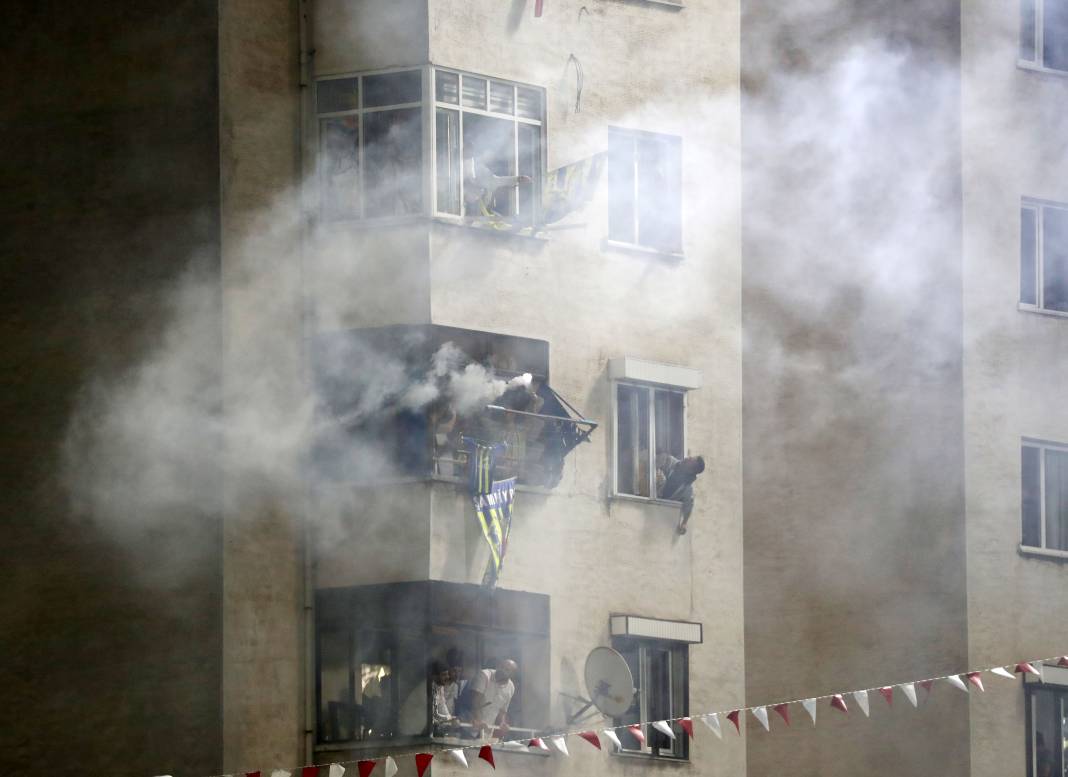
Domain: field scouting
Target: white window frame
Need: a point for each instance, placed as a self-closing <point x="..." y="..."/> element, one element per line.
<point x="1041" y="446"/>
<point x="1038" y="63"/>
<point x="652" y="388"/>
<point x="431" y="120"/>
<point x="642" y="683"/>
<point x="1039" y="208"/>
<point x="429" y="104"/>
<point x="635" y="136"/>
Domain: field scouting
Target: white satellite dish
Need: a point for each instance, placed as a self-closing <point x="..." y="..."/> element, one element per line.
<point x="609" y="683"/>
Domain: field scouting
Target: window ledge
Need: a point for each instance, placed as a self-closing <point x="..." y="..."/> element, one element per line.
<point x="646" y="500"/>
<point x="1047" y="553"/>
<point x="1023" y="307"/>
<point x="520" y="487"/>
<point x="675" y="4"/>
<point x="1034" y="67"/>
<point x="649" y="758"/>
<point x="523" y="233"/>
<point x="632" y="248"/>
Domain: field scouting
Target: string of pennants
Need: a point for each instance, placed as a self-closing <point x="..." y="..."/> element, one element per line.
<point x="838" y="701"/>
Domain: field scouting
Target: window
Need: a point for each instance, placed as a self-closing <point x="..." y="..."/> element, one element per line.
<point x="1044" y="33"/>
<point x="645" y="190"/>
<point x="485" y="135"/>
<point x="660" y="667"/>
<point x="375" y="646"/>
<point x="1044" y="255"/>
<point x="645" y="413"/>
<point x="370" y="145"/>
<point x="1044" y="503"/>
<point x="1047" y="726"/>
<point x="487" y="148"/>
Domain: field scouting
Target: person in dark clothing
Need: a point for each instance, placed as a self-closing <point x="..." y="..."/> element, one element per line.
<point x="674" y="480"/>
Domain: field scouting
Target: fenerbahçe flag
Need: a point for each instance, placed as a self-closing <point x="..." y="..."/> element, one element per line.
<point x="494" y="511"/>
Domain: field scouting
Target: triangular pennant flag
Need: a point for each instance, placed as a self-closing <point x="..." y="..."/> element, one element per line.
<point x="636" y="732"/>
<point x="486" y="754"/>
<point x="613" y="738"/>
<point x="956" y="682"/>
<point x="810" y="708"/>
<point x="732" y="716"/>
<point x="390" y="766"/>
<point x="279" y="773"/>
<point x="559" y="744"/>
<point x="784" y="711"/>
<point x="761" y="714"/>
<point x="862" y="702"/>
<point x="336" y="770"/>
<point x="536" y="742"/>
<point x="664" y="728"/>
<point x="712" y="721"/>
<point x="888" y="694"/>
<point x="1062" y="661"/>
<point x="1026" y="667"/>
<point x="458" y="756"/>
<point x="252" y="774"/>
<point x="309" y="771"/>
<point x="1001" y="671"/>
<point x="926" y="685"/>
<point x="422" y="760"/>
<point x="909" y="689"/>
<point x="976" y="679"/>
<point x="839" y="703"/>
<point x="686" y="725"/>
<point x="366" y="767"/>
<point x="590" y="737"/>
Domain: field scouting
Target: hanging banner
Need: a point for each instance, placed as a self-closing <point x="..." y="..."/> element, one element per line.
<point x="494" y="511"/>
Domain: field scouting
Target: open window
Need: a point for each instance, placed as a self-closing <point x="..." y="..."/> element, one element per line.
<point x="400" y="401"/>
<point x="485" y="137"/>
<point x="376" y="647"/>
<point x="657" y="652"/>
<point x="1047" y="722"/>
<point x="1044" y="34"/>
<point x="645" y="190"/>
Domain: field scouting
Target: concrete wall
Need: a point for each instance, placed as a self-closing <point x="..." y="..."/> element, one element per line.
<point x="853" y="454"/>
<point x="111" y="620"/>
<point x="1015" y="368"/>
<point x="259" y="130"/>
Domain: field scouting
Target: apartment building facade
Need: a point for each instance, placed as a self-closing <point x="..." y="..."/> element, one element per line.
<point x="453" y="195"/>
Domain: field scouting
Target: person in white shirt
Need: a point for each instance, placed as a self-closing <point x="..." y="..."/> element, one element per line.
<point x="492" y="692"/>
<point x="444" y="719"/>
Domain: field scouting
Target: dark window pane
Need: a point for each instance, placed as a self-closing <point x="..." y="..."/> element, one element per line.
<point x="474" y="92"/>
<point x="392" y="171"/>
<point x="337" y="719"/>
<point x="447" y="160"/>
<point x="1031" y="508"/>
<point x="392" y="89"/>
<point x="447" y="86"/>
<point x="336" y="94"/>
<point x="528" y="103"/>
<point x="529" y="165"/>
<point x="339" y="167"/>
<point x="1057" y="500"/>
<point x="668" y="424"/>
<point x="501" y="98"/>
<point x="659" y="193"/>
<point x="1028" y="28"/>
<point x="489" y="166"/>
<point x="1055" y="259"/>
<point x="1055" y="34"/>
<point x="633" y="443"/>
<point x="1028" y="256"/>
<point x="621" y="187"/>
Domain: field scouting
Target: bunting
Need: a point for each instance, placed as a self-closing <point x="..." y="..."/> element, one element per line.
<point x="366" y="767"/>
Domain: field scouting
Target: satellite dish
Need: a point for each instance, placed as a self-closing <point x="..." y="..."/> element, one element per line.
<point x="609" y="683"/>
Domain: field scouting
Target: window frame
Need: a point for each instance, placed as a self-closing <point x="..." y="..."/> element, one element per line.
<point x="1039" y="62"/>
<point x="429" y="105"/>
<point x="652" y="388"/>
<point x="679" y="660"/>
<point x="1039" y="208"/>
<point x="635" y="135"/>
<point x="1041" y="446"/>
<point x="1031" y="692"/>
